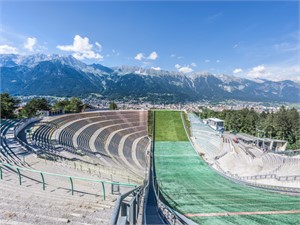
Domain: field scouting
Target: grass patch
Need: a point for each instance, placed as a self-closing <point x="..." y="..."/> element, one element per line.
<point x="150" y="119"/>
<point x="169" y="127"/>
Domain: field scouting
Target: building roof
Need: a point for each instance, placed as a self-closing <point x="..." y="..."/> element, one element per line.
<point x="270" y="139"/>
<point x="249" y="137"/>
<point x="215" y="119"/>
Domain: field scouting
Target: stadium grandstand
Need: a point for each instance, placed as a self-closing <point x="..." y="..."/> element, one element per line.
<point x="72" y="168"/>
<point x="244" y="162"/>
<point x="103" y="167"/>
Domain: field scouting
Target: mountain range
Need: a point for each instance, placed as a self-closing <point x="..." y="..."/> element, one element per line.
<point x="55" y="75"/>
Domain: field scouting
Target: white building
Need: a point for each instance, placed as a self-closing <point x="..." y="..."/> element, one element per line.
<point x="215" y="123"/>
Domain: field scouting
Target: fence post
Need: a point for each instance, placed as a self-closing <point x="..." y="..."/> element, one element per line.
<point x="43" y="180"/>
<point x="103" y="190"/>
<point x="72" y="186"/>
<point x="20" y="178"/>
<point x="1" y="175"/>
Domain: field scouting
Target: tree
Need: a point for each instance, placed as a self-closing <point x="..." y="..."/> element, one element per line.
<point x="75" y="105"/>
<point x="268" y="125"/>
<point x="8" y="104"/>
<point x="282" y="124"/>
<point x="33" y="106"/>
<point x="60" y="105"/>
<point x="113" y="106"/>
<point x="294" y="120"/>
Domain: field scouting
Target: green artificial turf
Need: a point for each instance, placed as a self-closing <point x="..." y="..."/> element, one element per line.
<point x="168" y="126"/>
<point x="190" y="186"/>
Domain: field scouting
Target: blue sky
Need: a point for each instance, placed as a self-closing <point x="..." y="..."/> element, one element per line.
<point x="247" y="39"/>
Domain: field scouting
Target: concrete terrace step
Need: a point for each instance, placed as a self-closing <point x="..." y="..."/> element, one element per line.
<point x="8" y="217"/>
<point x="29" y="185"/>
<point x="9" y="222"/>
<point x="73" y="203"/>
<point x="52" y="208"/>
<point x="95" y="202"/>
<point x="51" y="205"/>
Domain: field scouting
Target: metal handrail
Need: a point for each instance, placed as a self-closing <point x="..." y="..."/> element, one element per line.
<point x="19" y="169"/>
<point x="118" y="213"/>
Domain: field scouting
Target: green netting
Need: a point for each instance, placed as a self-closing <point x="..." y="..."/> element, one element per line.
<point x="192" y="187"/>
<point x="276" y="219"/>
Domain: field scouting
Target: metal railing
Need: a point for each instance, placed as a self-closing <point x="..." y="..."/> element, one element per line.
<point x="127" y="207"/>
<point x="236" y="179"/>
<point x="71" y="178"/>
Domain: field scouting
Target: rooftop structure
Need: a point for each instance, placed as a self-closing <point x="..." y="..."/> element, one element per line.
<point x="215" y="123"/>
<point x="264" y="143"/>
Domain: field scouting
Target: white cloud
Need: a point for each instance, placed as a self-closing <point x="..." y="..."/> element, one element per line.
<point x="213" y="18"/>
<point x="283" y="72"/>
<point x="6" y="49"/>
<point x="193" y="64"/>
<point x="30" y="43"/>
<point x="237" y="70"/>
<point x="178" y="57"/>
<point x="257" y="71"/>
<point x="177" y="66"/>
<point x="82" y="48"/>
<point x="139" y="56"/>
<point x="99" y="46"/>
<point x="114" y="53"/>
<point x="236" y="45"/>
<point x="156" y="68"/>
<point x="276" y="72"/>
<point x="287" y="47"/>
<point x="153" y="56"/>
<point x="218" y="61"/>
<point x="185" y="69"/>
<point x="206" y="60"/>
<point x="87" y="55"/>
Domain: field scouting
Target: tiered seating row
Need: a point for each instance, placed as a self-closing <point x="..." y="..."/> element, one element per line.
<point x="9" y="147"/>
<point x="99" y="133"/>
